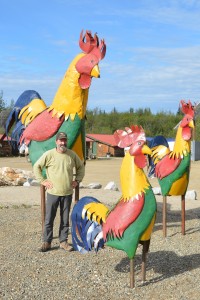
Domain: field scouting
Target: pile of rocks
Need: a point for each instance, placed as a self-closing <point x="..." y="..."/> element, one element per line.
<point x="96" y="185"/>
<point x="13" y="177"/>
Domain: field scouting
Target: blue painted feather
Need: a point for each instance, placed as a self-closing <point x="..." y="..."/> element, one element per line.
<point x="156" y="141"/>
<point x="24" y="99"/>
<point x="86" y="234"/>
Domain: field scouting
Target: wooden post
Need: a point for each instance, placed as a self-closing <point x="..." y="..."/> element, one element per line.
<point x="143" y="265"/>
<point x="145" y="250"/>
<point x="76" y="193"/>
<point x="164" y="216"/>
<point x="183" y="214"/>
<point x="43" y="205"/>
<point x="132" y="276"/>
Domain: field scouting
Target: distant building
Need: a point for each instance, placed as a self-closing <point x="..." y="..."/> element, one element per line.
<point x="195" y="149"/>
<point x="102" y="145"/>
<point x="5" y="147"/>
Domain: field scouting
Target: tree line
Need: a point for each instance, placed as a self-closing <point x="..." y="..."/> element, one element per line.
<point x="161" y="123"/>
<point x="4" y="111"/>
<point x="99" y="121"/>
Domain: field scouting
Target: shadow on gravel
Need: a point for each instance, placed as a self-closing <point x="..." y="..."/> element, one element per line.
<point x="166" y="263"/>
<point x="174" y="217"/>
<point x="51" y="249"/>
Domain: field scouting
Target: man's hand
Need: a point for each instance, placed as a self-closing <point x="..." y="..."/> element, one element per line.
<point x="74" y="184"/>
<point x="48" y="184"/>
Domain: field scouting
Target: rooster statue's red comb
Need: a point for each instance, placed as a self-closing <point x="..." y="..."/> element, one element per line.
<point x="187" y="108"/>
<point x="124" y="138"/>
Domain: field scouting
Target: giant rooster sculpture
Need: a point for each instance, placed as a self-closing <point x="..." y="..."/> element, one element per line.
<point x="131" y="220"/>
<point x="36" y="124"/>
<point x="172" y="168"/>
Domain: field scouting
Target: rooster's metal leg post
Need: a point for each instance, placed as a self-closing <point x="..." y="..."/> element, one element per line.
<point x="145" y="250"/>
<point x="43" y="205"/>
<point x="164" y="216"/>
<point x="183" y="214"/>
<point x="132" y="275"/>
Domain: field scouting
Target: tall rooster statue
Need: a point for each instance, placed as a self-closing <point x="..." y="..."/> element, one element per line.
<point x="172" y="168"/>
<point x="132" y="219"/>
<point x="36" y="124"/>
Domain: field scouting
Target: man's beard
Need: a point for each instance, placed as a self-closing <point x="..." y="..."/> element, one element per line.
<point x="62" y="148"/>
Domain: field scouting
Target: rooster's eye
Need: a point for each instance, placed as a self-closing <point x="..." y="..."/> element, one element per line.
<point x="139" y="143"/>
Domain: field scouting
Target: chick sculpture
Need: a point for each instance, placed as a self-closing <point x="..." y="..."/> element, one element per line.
<point x="131" y="220"/>
<point x="172" y="168"/>
<point x="36" y="124"/>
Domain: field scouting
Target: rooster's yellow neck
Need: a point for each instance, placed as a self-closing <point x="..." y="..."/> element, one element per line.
<point x="181" y="147"/>
<point x="133" y="179"/>
<point x="70" y="99"/>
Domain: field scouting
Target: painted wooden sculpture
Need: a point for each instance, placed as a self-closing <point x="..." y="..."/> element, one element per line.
<point x="172" y="168"/>
<point x="36" y="124"/>
<point x="131" y="221"/>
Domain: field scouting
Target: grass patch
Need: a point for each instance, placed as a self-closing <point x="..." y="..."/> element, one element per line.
<point x="21" y="206"/>
<point x="3" y="206"/>
<point x="15" y="206"/>
<point x="26" y="205"/>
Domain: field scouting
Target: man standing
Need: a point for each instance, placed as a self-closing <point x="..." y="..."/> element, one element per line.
<point x="60" y="164"/>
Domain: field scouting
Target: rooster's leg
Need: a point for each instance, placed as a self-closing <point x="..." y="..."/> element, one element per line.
<point x="132" y="275"/>
<point x="164" y="216"/>
<point x="145" y="250"/>
<point x="183" y="214"/>
<point x="43" y="205"/>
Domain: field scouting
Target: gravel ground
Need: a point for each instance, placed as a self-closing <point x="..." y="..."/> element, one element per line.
<point x="172" y="266"/>
<point x="173" y="263"/>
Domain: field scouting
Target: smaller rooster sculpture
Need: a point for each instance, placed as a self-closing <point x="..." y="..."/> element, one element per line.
<point x="131" y="220"/>
<point x="172" y="168"/>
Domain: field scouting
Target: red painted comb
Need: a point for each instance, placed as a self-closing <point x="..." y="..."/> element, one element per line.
<point x="90" y="44"/>
<point x="138" y="130"/>
<point x="125" y="138"/>
<point x="87" y="42"/>
<point x="187" y="108"/>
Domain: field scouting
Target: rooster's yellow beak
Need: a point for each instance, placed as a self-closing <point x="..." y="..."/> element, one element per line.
<point x="146" y="150"/>
<point x="95" y="72"/>
<point x="191" y="124"/>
